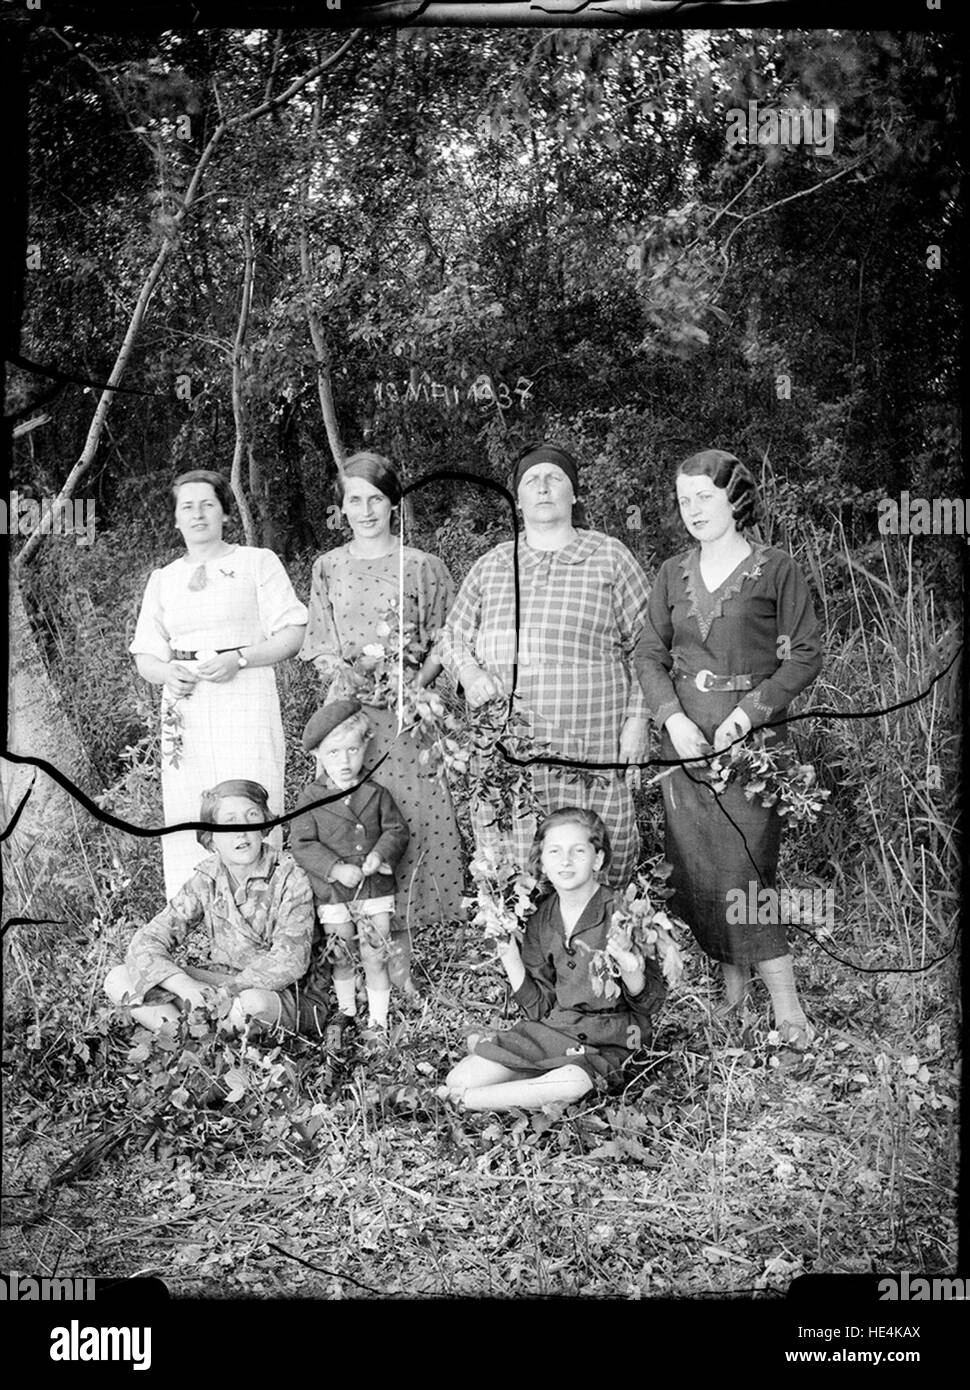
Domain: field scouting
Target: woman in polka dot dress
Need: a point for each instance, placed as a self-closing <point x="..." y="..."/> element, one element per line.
<point x="352" y="588"/>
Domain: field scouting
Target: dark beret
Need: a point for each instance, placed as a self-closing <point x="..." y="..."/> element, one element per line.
<point x="325" y="719"/>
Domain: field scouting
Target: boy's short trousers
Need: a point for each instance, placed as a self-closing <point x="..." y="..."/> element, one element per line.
<point x="338" y="914"/>
<point x="303" y="1011"/>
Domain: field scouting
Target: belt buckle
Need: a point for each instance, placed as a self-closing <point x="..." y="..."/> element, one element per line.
<point x="700" y="680"/>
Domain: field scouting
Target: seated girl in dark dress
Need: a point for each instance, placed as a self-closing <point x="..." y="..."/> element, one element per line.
<point x="569" y="1037"/>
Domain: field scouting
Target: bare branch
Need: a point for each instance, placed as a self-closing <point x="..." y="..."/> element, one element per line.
<point x="321" y="350"/>
<point x="274" y="65"/>
<point x="802" y="193"/>
<point x="25" y="428"/>
<point x="759" y="212"/>
<point x="238" y="371"/>
<point x="295" y="86"/>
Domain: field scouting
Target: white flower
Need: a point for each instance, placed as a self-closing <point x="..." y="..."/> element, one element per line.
<point x="374" y="650"/>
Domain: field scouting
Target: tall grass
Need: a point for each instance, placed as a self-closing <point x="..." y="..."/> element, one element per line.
<point x="889" y="839"/>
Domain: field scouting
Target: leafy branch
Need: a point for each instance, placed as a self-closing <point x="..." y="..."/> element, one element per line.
<point x="641" y="923"/>
<point x="772" y="773"/>
<point x="504" y="896"/>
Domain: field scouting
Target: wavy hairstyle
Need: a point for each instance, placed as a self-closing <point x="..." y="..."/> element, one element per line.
<point x="235" y="786"/>
<point x="375" y="469"/>
<point x="571" y="815"/>
<point x="730" y="473"/>
<point x="219" y="484"/>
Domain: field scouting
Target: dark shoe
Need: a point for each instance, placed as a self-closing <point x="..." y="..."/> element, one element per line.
<point x="336" y="1032"/>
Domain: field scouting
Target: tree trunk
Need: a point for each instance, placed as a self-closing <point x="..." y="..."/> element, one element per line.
<point x="321" y="349"/>
<point x="38" y="727"/>
<point x="238" y="384"/>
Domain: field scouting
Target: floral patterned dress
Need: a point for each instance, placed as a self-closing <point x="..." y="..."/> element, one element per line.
<point x="260" y="934"/>
<point x="349" y="598"/>
<point x="757" y="626"/>
<point x="224" y="729"/>
<point x="582" y="609"/>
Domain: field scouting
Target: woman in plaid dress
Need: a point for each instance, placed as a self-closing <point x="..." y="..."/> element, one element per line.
<point x="583" y="598"/>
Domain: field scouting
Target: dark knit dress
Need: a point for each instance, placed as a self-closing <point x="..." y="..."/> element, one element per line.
<point x="758" y="623"/>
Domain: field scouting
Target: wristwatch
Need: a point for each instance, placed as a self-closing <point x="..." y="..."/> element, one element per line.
<point x="243" y="663"/>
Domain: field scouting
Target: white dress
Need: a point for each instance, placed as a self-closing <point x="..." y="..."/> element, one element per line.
<point x="223" y="729"/>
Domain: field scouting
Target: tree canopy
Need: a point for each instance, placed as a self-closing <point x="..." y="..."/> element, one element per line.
<point x="454" y="240"/>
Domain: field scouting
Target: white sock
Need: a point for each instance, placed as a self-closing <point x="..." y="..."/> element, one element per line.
<point x="378" y="1003"/>
<point x="346" y="991"/>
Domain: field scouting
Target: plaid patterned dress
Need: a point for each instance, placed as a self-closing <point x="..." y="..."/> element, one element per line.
<point x="582" y="612"/>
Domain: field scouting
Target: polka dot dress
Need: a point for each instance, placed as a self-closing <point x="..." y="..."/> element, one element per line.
<point x="348" y="599"/>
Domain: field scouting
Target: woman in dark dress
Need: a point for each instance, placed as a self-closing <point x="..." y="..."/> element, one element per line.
<point x="730" y="640"/>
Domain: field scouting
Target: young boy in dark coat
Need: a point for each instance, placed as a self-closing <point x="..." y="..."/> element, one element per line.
<point x="349" y="849"/>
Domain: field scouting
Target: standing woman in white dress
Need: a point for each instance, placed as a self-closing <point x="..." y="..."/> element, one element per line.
<point x="212" y="626"/>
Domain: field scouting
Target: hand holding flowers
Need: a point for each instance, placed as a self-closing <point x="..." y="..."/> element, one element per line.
<point x="619" y="945"/>
<point x="640" y="930"/>
<point x="503" y="899"/>
<point x="772" y="772"/>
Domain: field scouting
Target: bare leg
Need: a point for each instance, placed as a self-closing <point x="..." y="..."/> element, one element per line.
<point x="119" y="989"/>
<point x="344" y="967"/>
<point x="790" y="1019"/>
<point x="473" y="1071"/>
<point x="736" y="981"/>
<point x="399" y="964"/>
<point x="374" y="936"/>
<point x="530" y="1093"/>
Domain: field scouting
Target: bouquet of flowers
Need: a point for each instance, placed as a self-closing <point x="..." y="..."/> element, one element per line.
<point x="372" y="675"/>
<point x="507" y="788"/>
<point x="173" y="729"/>
<point x="773" y="773"/>
<point x="639" y="916"/>
<point x="504" y="896"/>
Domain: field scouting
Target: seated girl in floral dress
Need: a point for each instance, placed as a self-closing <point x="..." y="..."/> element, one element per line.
<point x="242" y="922"/>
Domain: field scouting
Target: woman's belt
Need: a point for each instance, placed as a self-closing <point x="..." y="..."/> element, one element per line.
<point x="707" y="680"/>
<point x="203" y="654"/>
